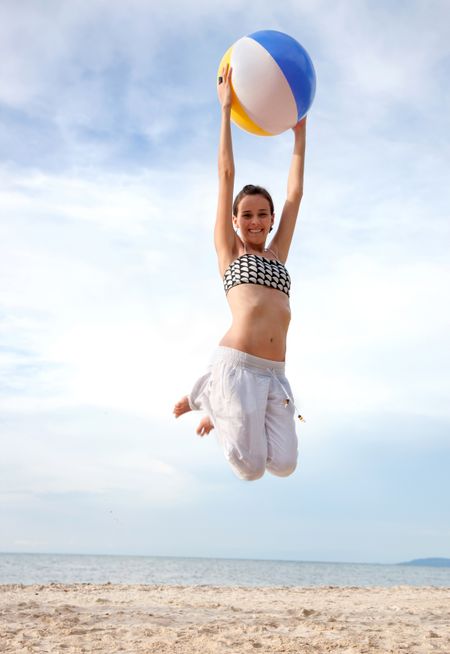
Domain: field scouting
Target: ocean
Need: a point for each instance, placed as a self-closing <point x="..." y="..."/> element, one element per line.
<point x="83" y="568"/>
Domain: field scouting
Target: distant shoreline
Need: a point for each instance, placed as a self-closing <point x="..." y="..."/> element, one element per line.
<point x="434" y="562"/>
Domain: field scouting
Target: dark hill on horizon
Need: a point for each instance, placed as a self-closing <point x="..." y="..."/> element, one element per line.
<point x="432" y="562"/>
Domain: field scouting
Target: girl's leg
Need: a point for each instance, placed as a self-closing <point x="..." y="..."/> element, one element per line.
<point x="238" y="400"/>
<point x="282" y="443"/>
<point x="235" y="396"/>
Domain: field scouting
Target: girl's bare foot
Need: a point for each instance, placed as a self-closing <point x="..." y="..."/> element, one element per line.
<point x="204" y="426"/>
<point x="181" y="407"/>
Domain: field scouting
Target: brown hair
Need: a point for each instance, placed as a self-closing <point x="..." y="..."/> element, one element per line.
<point x="251" y="189"/>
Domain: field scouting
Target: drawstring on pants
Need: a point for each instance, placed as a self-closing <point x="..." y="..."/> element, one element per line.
<point x="288" y="399"/>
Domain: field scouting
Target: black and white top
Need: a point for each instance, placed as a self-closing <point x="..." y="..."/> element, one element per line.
<point x="255" y="269"/>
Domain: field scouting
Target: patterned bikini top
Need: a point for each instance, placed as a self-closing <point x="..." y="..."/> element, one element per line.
<point x="255" y="269"/>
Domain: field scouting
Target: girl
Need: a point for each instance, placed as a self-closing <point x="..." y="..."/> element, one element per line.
<point x="245" y="393"/>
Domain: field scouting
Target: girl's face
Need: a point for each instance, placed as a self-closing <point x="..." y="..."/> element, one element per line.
<point x="253" y="219"/>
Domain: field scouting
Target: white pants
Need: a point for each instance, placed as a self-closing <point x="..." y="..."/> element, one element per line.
<point x="250" y="404"/>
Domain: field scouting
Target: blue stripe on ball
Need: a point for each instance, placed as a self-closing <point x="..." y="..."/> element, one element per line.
<point x="295" y="63"/>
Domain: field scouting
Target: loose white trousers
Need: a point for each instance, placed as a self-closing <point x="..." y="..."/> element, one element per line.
<point x="250" y="403"/>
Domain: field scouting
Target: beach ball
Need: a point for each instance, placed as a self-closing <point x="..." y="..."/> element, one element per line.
<point x="273" y="82"/>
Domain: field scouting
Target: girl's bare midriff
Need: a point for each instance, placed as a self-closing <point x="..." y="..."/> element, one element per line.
<point x="260" y="322"/>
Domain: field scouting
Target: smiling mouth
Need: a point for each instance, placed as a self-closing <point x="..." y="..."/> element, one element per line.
<point x="255" y="231"/>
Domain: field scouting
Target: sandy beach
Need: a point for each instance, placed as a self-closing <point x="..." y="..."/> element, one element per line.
<point x="184" y="619"/>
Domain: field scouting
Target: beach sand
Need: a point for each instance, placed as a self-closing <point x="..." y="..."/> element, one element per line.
<point x="203" y="619"/>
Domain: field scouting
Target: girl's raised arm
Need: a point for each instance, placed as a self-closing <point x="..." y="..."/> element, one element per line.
<point x="282" y="239"/>
<point x="224" y="235"/>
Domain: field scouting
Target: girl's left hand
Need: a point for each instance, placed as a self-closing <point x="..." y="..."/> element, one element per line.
<point x="224" y="87"/>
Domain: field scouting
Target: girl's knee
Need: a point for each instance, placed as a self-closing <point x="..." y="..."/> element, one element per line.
<point x="282" y="467"/>
<point x="247" y="468"/>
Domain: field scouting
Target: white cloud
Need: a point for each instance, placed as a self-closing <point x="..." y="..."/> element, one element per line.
<point x="95" y="455"/>
<point x="394" y="51"/>
<point x="92" y="286"/>
<point x="372" y="336"/>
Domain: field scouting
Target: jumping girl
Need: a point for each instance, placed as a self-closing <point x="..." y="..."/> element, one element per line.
<point x="245" y="393"/>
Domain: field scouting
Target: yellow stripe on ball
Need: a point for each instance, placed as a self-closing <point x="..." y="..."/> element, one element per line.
<point x="238" y="113"/>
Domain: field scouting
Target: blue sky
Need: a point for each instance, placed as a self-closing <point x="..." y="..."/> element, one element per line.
<point x="111" y="303"/>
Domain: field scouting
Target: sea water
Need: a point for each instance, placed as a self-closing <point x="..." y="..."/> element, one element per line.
<point x="76" y="568"/>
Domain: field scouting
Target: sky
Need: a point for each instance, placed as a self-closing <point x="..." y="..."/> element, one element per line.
<point x="111" y="304"/>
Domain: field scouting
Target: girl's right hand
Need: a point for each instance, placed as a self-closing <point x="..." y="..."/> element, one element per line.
<point x="300" y="127"/>
<point x="224" y="87"/>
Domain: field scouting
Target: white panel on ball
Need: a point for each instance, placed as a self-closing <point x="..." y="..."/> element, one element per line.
<point x="261" y="87"/>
